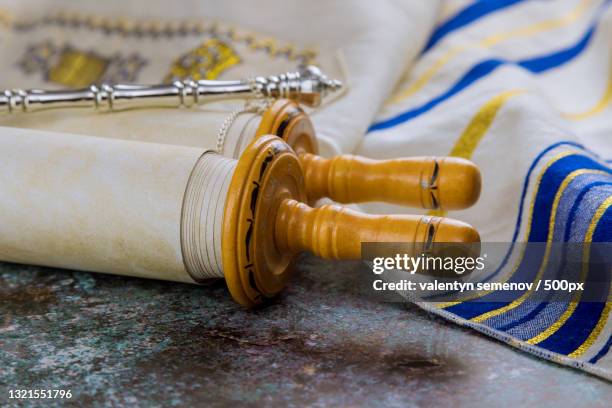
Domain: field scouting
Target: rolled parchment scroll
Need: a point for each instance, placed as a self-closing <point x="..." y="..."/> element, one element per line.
<point x="425" y="182"/>
<point x="95" y="204"/>
<point x="180" y="213"/>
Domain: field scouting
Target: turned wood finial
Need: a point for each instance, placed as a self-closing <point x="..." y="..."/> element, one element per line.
<point x="428" y="182"/>
<point x="447" y="183"/>
<point x="267" y="222"/>
<point x="335" y="232"/>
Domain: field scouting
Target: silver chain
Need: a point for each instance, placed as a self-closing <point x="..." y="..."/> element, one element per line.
<point x="257" y="106"/>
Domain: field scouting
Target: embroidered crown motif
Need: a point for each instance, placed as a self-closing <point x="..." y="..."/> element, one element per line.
<point x="68" y="66"/>
<point x="207" y="61"/>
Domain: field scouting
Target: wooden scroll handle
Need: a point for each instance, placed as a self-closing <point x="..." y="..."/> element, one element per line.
<point x="335" y="232"/>
<point x="448" y="183"/>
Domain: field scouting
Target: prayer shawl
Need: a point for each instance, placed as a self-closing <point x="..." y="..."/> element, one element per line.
<point x="522" y="88"/>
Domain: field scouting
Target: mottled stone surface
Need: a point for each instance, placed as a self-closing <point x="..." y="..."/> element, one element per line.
<point x="116" y="341"/>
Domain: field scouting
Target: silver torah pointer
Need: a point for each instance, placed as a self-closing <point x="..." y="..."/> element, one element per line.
<point x="307" y="86"/>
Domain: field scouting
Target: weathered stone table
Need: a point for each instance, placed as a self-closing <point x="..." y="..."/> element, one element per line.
<point x="116" y="341"/>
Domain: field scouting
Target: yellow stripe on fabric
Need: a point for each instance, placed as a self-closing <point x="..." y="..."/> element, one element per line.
<point x="480" y="124"/>
<point x="583" y="274"/>
<point x="552" y="161"/>
<point x="488" y="42"/>
<point x="543" y="26"/>
<point x="549" y="238"/>
<point x="474" y="132"/>
<point x="5" y="18"/>
<point x="598" y="108"/>
<point x="606" y="312"/>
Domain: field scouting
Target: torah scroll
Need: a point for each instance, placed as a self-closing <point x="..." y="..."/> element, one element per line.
<point x="180" y="213"/>
<point x="104" y="205"/>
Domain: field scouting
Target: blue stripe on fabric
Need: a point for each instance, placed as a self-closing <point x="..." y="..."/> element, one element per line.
<point x="602" y="352"/>
<point x="550" y="183"/>
<point x="468" y="15"/>
<point x="520" y="207"/>
<point x="603" y="233"/>
<point x="477" y="72"/>
<point x="529" y="316"/>
<point x="576" y="329"/>
<point x="536" y="65"/>
<point x="519" y="217"/>
<point x="526" y="181"/>
<point x="573" y="211"/>
<point x="542" y="64"/>
<point x="583" y="321"/>
<point x="522" y="202"/>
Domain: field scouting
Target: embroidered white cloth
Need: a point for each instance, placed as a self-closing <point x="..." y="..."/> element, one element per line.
<point x="139" y="41"/>
<point x="523" y="88"/>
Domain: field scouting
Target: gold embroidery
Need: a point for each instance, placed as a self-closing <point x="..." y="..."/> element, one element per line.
<point x="162" y="29"/>
<point x="207" y="61"/>
<point x="77" y="69"/>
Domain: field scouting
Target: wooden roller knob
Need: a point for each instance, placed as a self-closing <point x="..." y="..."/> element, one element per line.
<point x="428" y="182"/>
<point x="335" y="232"/>
<point x="267" y="222"/>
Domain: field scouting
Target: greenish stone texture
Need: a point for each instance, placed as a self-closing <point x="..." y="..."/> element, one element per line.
<point x="117" y="341"/>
